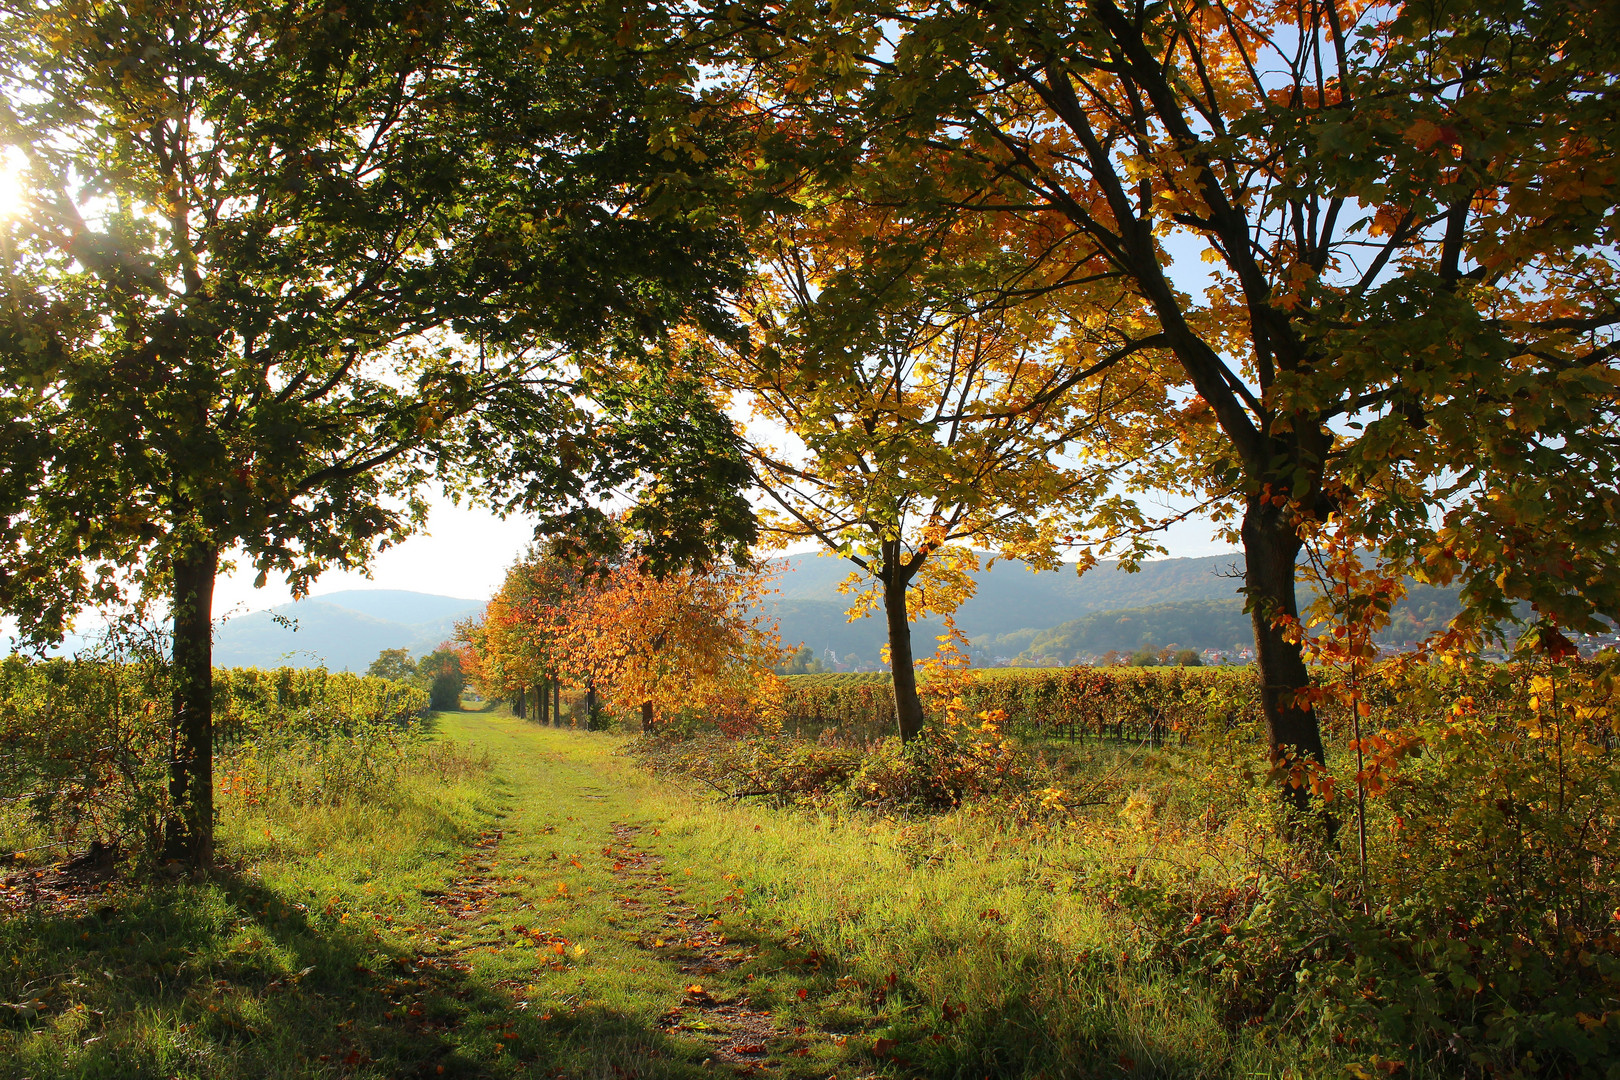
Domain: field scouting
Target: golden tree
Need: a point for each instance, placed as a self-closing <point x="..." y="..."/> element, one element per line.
<point x="692" y="641"/>
<point x="899" y="420"/>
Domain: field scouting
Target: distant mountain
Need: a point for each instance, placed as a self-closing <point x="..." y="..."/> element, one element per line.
<point x="1193" y="603"/>
<point x="1010" y="605"/>
<point x="1190" y="624"/>
<point x="343" y="630"/>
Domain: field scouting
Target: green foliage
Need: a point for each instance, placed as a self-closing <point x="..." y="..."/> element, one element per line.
<point x="274" y="270"/>
<point x="394" y="665"/>
<point x="86" y="743"/>
<point x="84" y="753"/>
<point x="263" y="332"/>
<point x="440" y="673"/>
<point x="802" y="662"/>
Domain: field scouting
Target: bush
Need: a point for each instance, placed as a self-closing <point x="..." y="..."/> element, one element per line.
<point x="445" y="691"/>
<point x="948" y="764"/>
<point x="956" y="761"/>
<point x="440" y="673"/>
<point x="86" y="742"/>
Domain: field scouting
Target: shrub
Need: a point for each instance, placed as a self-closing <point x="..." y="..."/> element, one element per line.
<point x="950" y="763"/>
<point x="86" y="742"/>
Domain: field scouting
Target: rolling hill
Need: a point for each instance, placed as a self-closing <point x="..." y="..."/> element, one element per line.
<point x="1057" y="614"/>
<point x="342" y="630"/>
<point x="1051" y="616"/>
<point x="1010" y="606"/>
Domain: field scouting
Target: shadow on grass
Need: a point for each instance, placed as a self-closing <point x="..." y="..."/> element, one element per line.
<point x="229" y="979"/>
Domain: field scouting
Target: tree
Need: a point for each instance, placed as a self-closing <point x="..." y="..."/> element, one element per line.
<point x="691" y="641"/>
<point x="922" y="420"/>
<point x="394" y="665"/>
<point x="516" y="643"/>
<point x="802" y="662"/>
<point x="1410" y="213"/>
<point x="276" y="262"/>
<point x="440" y="673"/>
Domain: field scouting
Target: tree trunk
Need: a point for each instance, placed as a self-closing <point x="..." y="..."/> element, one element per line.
<point x="542" y="703"/>
<point x="590" y="705"/>
<point x="907" y="705"/>
<point x="1271" y="551"/>
<point x="188" y="831"/>
<point x="646" y="717"/>
<point x="556" y="702"/>
<point x="518" y="708"/>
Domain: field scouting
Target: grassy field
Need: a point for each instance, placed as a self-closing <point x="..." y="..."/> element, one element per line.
<point x="534" y="902"/>
<point x="557" y="911"/>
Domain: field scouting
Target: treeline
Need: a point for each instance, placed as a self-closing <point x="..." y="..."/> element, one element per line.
<point x="626" y="637"/>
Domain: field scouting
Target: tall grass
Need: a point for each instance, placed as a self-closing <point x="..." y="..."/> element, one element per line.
<point x="85" y="744"/>
<point x="280" y="964"/>
<point x="1158" y="905"/>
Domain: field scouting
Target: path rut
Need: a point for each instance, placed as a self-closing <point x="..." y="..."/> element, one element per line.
<point x="740" y="1036"/>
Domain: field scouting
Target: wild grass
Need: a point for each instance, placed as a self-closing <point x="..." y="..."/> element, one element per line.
<point x="982" y="945"/>
<point x="1157" y="918"/>
<point x="1157" y="908"/>
<point x="269" y="968"/>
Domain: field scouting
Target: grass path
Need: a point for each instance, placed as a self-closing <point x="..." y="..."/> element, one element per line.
<point x="613" y="949"/>
<point x="565" y="914"/>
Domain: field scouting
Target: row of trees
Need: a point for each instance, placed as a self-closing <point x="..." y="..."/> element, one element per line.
<point x="277" y="270"/>
<point x="685" y="642"/>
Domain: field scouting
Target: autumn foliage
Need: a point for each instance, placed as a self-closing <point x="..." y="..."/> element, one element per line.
<point x="689" y="643"/>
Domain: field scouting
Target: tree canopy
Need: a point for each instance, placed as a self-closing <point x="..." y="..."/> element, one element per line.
<point x="1409" y="217"/>
<point x="275" y="266"/>
<point x="899" y="420"/>
<point x="672" y="644"/>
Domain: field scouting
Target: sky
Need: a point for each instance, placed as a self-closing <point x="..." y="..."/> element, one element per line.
<point x="464" y="551"/>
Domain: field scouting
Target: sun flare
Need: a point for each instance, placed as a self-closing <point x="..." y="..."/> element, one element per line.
<point x="12" y="196"/>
